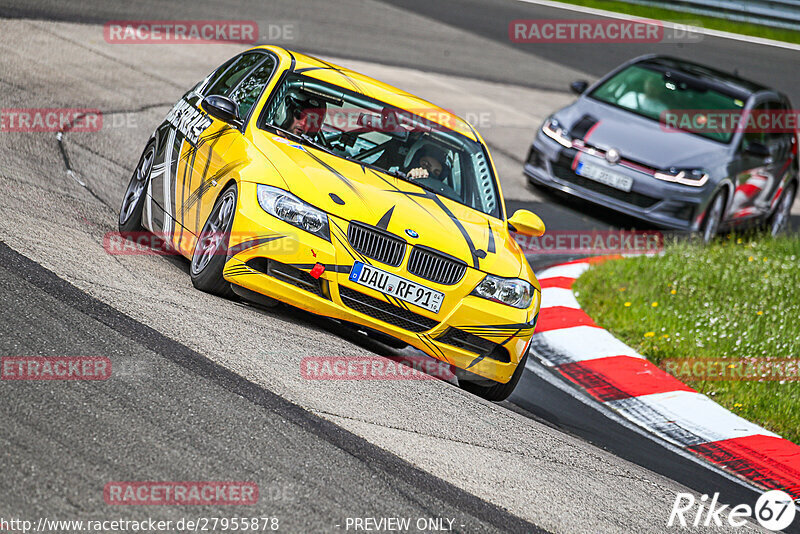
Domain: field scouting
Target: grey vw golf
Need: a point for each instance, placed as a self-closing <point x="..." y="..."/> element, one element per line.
<point x="616" y="146"/>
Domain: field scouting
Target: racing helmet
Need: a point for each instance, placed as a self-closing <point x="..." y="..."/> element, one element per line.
<point x="300" y="106"/>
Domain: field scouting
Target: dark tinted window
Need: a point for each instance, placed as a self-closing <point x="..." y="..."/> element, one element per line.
<point x="205" y="84"/>
<point x="234" y="74"/>
<point x="246" y="94"/>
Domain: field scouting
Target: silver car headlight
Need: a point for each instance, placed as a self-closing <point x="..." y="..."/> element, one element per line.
<point x="694" y="177"/>
<point x="510" y="291"/>
<point x="287" y="207"/>
<point x="555" y="131"/>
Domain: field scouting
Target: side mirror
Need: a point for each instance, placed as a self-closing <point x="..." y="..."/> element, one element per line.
<point x="525" y="222"/>
<point x="757" y="149"/>
<point x="222" y="108"/>
<point x="579" y="87"/>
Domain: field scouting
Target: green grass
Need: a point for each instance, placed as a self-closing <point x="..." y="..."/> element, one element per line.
<point x="738" y="298"/>
<point x="711" y="23"/>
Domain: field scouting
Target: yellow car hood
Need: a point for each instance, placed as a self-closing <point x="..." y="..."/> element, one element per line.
<point x="355" y="192"/>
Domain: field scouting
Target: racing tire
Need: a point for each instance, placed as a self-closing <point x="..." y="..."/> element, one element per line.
<point x="713" y="218"/>
<point x="498" y="391"/>
<point x="211" y="250"/>
<point x="778" y="222"/>
<point x="130" y="212"/>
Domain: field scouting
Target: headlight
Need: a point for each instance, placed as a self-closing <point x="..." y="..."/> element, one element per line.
<point x="287" y="207"/>
<point x="695" y="177"/>
<point x="511" y="291"/>
<point x="553" y="129"/>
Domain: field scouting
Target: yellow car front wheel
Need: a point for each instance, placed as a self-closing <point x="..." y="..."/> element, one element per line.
<point x="211" y="250"/>
<point x="496" y="391"/>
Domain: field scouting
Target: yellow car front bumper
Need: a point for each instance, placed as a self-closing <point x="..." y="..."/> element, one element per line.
<point x="274" y="258"/>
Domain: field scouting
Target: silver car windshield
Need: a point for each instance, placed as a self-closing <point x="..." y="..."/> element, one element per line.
<point x="647" y="92"/>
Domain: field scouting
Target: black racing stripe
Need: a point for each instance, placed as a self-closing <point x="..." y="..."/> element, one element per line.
<point x="339" y="175"/>
<point x="428" y="343"/>
<point x="476" y="361"/>
<point x="341" y="72"/>
<point x="497" y="326"/>
<point x="512" y="336"/>
<point x="490" y="247"/>
<point x="398" y="190"/>
<point x="384" y="222"/>
<point x="497" y="335"/>
<point x="197" y="195"/>
<point x="186" y="155"/>
<point x="475" y="253"/>
<point x="582" y="127"/>
<point x="204" y="178"/>
<point x="346" y="245"/>
<point x="238" y="270"/>
<point x="187" y="166"/>
<point x="216" y="136"/>
<point x="436" y="349"/>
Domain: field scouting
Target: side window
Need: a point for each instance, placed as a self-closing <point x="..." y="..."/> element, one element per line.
<point x="231" y="78"/>
<point x="755" y="134"/>
<point x="777" y="114"/>
<point x="246" y="94"/>
<point x="204" y="84"/>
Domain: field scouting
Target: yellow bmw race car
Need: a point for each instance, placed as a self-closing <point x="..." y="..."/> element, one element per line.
<point x="282" y="176"/>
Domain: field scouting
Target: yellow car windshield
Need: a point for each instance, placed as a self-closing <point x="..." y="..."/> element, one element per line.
<point x="411" y="144"/>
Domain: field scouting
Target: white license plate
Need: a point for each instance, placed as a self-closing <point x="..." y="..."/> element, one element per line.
<point x="604" y="176"/>
<point x="395" y="286"/>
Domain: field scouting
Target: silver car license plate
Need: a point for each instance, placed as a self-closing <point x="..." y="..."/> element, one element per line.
<point x="604" y="176"/>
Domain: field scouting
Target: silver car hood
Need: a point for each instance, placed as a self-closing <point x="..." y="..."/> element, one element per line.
<point x="641" y="139"/>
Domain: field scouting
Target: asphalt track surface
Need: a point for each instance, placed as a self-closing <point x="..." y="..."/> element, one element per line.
<point x="191" y="402"/>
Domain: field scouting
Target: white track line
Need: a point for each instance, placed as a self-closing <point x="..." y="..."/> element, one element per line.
<point x="667" y="24"/>
<point x="559" y="383"/>
<point x="688" y="411"/>
<point x="581" y="343"/>
<point x="573" y="270"/>
<point x="558" y="296"/>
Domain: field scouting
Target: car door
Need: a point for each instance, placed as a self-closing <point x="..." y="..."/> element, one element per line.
<point x="754" y="171"/>
<point x="208" y="181"/>
<point x="182" y="149"/>
<point x="781" y="146"/>
<point x="195" y="149"/>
